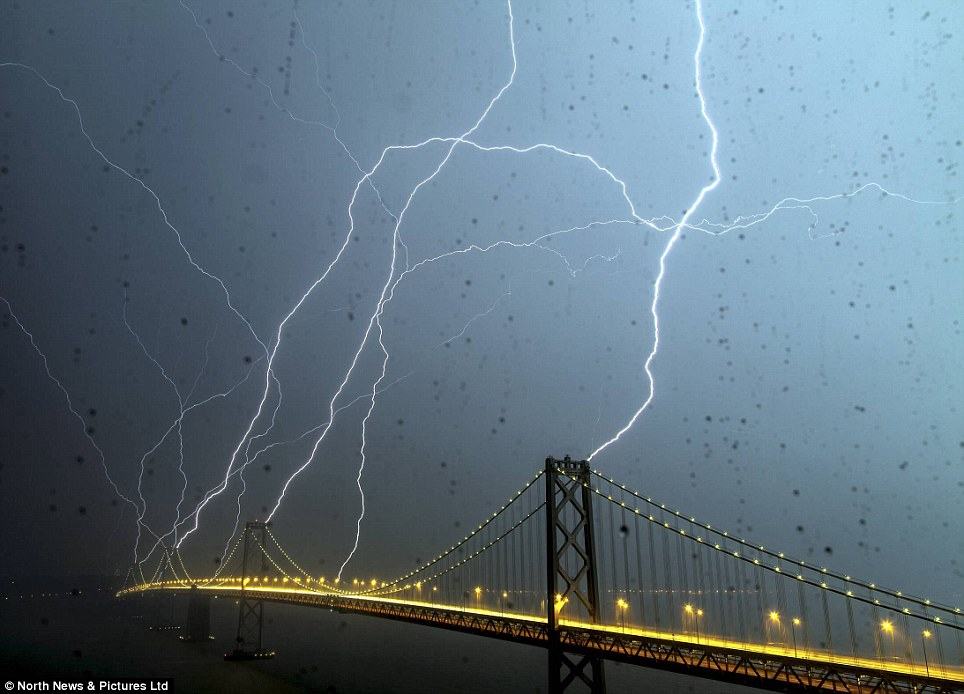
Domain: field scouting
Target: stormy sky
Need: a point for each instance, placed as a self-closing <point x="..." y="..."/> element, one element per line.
<point x="808" y="381"/>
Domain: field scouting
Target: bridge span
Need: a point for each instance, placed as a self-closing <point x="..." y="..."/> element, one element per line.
<point x="709" y="606"/>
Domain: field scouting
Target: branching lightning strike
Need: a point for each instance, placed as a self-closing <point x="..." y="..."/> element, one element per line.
<point x="677" y="232"/>
<point x="396" y="273"/>
<point x="79" y="417"/>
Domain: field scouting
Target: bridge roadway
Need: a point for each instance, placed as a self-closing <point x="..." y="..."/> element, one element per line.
<point x="776" y="667"/>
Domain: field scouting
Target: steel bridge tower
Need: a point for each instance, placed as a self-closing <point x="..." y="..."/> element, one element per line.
<point x="249" y="641"/>
<point x="571" y="575"/>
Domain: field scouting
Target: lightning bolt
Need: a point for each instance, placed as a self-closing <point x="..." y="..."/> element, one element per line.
<point x="175" y="425"/>
<point x="793" y="203"/>
<point x="150" y="191"/>
<point x="73" y="411"/>
<point x="674" y="238"/>
<point x="180" y="431"/>
<point x="269" y="375"/>
<point x="474" y="318"/>
<point x="184" y="407"/>
<point x="333" y="129"/>
<point x="165" y="217"/>
<point x="371" y="409"/>
<point x="271" y="384"/>
<point x="376" y="317"/>
<point x="215" y="491"/>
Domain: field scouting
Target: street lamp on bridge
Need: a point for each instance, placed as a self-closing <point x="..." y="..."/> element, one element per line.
<point x="695" y="613"/>
<point x="924" y="636"/>
<point x="559" y="603"/>
<point x="888" y="628"/>
<point x="621" y="606"/>
<point x="773" y="620"/>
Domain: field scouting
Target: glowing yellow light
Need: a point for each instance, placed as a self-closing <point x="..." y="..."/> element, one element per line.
<point x="478" y="591"/>
<point x="688" y="609"/>
<point x="560" y="603"/>
<point x="887" y="626"/>
<point x="505" y="594"/>
<point x="622" y="604"/>
<point x="926" y="634"/>
<point x="774" y="617"/>
<point x="699" y="613"/>
<point x="796" y="621"/>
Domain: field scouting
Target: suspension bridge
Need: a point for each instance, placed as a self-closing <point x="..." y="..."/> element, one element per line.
<point x="591" y="571"/>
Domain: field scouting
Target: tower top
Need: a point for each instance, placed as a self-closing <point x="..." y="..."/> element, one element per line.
<point x="568" y="465"/>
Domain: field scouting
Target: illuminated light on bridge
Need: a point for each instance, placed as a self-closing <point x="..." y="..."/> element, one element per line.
<point x="719" y="609"/>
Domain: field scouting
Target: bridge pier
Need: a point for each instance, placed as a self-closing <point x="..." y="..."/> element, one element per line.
<point x="198" y="627"/>
<point x="568" y="671"/>
<point x="162" y="613"/>
<point x="249" y="642"/>
<point x="569" y="497"/>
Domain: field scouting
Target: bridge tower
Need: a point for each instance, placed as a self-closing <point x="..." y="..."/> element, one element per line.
<point x="571" y="575"/>
<point x="249" y="640"/>
<point x="165" y="608"/>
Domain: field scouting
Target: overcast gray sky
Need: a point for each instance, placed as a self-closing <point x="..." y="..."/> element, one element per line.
<point x="808" y="384"/>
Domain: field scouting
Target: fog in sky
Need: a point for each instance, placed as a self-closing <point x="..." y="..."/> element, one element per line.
<point x="808" y="383"/>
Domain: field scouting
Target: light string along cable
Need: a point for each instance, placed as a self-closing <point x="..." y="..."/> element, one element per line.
<point x="778" y="556"/>
<point x="461" y="543"/>
<point x="777" y="569"/>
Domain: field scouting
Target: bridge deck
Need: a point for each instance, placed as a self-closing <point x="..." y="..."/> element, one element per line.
<point x="771" y="666"/>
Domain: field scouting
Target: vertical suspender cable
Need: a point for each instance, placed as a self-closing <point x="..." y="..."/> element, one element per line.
<point x="624" y="533"/>
<point x="654" y="580"/>
<point x="826" y="621"/>
<point x="850" y="622"/>
<point x="641" y="596"/>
